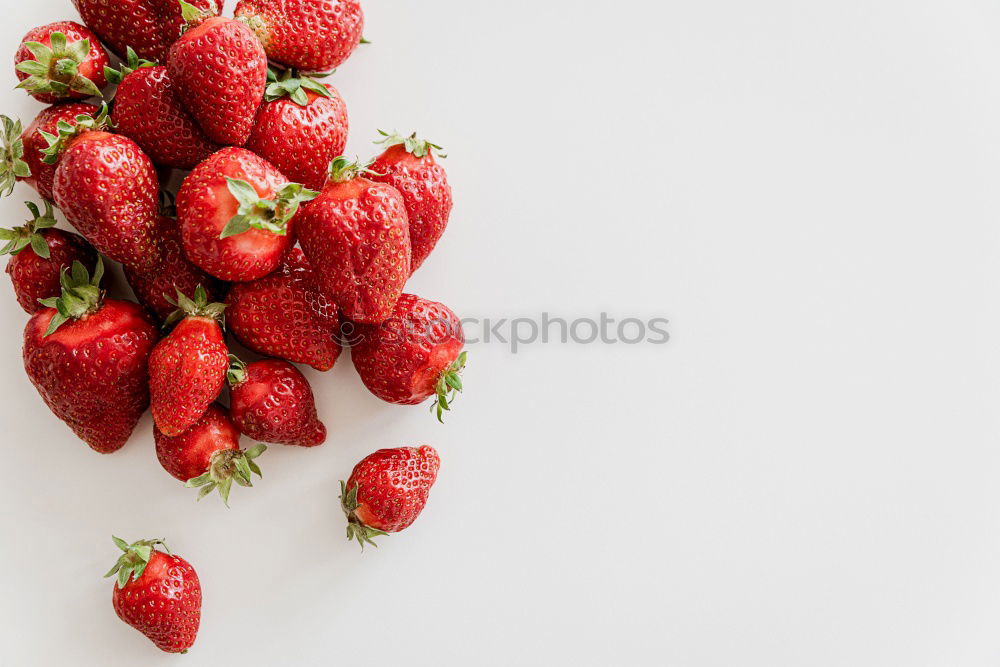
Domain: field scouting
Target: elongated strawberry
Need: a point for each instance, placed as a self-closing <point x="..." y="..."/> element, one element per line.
<point x="300" y="128"/>
<point x="87" y="356"/>
<point x="148" y="26"/>
<point x="285" y="315"/>
<point x="236" y="212"/>
<point x="61" y="61"/>
<point x="39" y="254"/>
<point x="311" y="35"/>
<point x="157" y="593"/>
<point x="387" y="491"/>
<point x="270" y="400"/>
<point x="187" y="369"/>
<point x="356" y="238"/>
<point x="408" y="165"/>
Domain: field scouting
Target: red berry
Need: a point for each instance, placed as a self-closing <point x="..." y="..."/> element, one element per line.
<point x="61" y="61"/>
<point x="271" y="401"/>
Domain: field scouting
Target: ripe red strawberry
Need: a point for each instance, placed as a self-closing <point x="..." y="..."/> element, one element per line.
<point x="413" y="355"/>
<point x="310" y="35"/>
<point x="355" y="236"/>
<point x="408" y="165"/>
<point x="157" y="593"/>
<point x="39" y="254"/>
<point x="148" y="26"/>
<point x="187" y="369"/>
<point x="87" y="356"/>
<point x="300" y="128"/>
<point x="220" y="70"/>
<point x="149" y="112"/>
<point x="61" y="61"/>
<point x="387" y="491"/>
<point x="208" y="454"/>
<point x="236" y="211"/>
<point x="270" y="400"/>
<point x="284" y="315"/>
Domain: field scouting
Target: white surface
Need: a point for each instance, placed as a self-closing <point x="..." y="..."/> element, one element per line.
<point x="806" y="475"/>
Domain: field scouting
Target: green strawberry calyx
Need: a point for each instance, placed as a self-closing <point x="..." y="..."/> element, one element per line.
<point x="81" y="295"/>
<point x="199" y="306"/>
<point x="237" y="372"/>
<point x="413" y="145"/>
<point x="228" y="466"/>
<point x="448" y="386"/>
<point x="66" y="131"/>
<point x="293" y="85"/>
<point x="131" y="64"/>
<point x="192" y="15"/>
<point x="29" y="234"/>
<point x="269" y="215"/>
<point x="132" y="563"/>
<point x="355" y="529"/>
<point x="344" y="169"/>
<point x="12" y="164"/>
<point x="56" y="68"/>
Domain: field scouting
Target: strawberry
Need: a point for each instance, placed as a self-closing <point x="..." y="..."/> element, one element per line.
<point x="300" y="128"/>
<point x="39" y="254"/>
<point x="311" y="35"/>
<point x="187" y="369"/>
<point x="408" y="165"/>
<point x="285" y="315"/>
<point x="355" y="237"/>
<point x="413" y="355"/>
<point x="387" y="491"/>
<point x="220" y="70"/>
<point x="61" y="61"/>
<point x="157" y="593"/>
<point x="87" y="357"/>
<point x="148" y="26"/>
<point x="235" y="212"/>
<point x="149" y="112"/>
<point x="208" y="454"/>
<point x="271" y="400"/>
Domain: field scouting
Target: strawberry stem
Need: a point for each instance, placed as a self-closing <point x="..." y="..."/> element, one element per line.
<point x="81" y="295"/>
<point x="12" y="164"/>
<point x="356" y="530"/>
<point x="449" y="385"/>
<point x="132" y="563"/>
<point x="228" y="466"/>
<point x="27" y="234"/>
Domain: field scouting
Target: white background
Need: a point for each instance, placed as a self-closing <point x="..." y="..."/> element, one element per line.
<point x="807" y="474"/>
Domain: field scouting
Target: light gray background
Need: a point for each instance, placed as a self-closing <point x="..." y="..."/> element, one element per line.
<point x="808" y="474"/>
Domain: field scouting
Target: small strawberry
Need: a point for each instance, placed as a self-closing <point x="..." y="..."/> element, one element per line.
<point x="236" y="211"/>
<point x="187" y="369"/>
<point x="39" y="254"/>
<point x="306" y="34"/>
<point x="208" y="455"/>
<point x="408" y="165"/>
<point x="220" y="72"/>
<point x="157" y="593"/>
<point x="270" y="400"/>
<point x="149" y="112"/>
<point x="148" y="26"/>
<point x="284" y="315"/>
<point x="387" y="491"/>
<point x="356" y="238"/>
<point x="61" y="61"/>
<point x="87" y="356"/>
<point x="300" y="128"/>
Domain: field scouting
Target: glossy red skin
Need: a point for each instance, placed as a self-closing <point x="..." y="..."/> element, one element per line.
<point x="301" y="141"/>
<point x="401" y="359"/>
<point x="205" y="205"/>
<point x="149" y="112"/>
<point x="426" y="192"/>
<point x="189" y="454"/>
<point x="220" y="70"/>
<point x="310" y="35"/>
<point x="36" y="278"/>
<point x="187" y="371"/>
<point x="43" y="174"/>
<point x="356" y="238"/>
<point x="284" y="315"/>
<point x="148" y="26"/>
<point x="92" y="67"/>
<point x="393" y="485"/>
<point x="274" y="403"/>
<point x="164" y="603"/>
<point x="92" y="372"/>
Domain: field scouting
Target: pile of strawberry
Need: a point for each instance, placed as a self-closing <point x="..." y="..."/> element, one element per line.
<point x="273" y="238"/>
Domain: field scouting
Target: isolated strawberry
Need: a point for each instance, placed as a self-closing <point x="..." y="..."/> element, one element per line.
<point x="300" y="128"/>
<point x="270" y="400"/>
<point x="387" y="491"/>
<point x="187" y="369"/>
<point x="236" y="211"/>
<point x="311" y="35"/>
<point x="149" y="112"/>
<point x="408" y="165"/>
<point x="61" y="61"/>
<point x="87" y="357"/>
<point x="220" y="71"/>
<point x="157" y="593"/>
<point x="285" y="315"/>
<point x="39" y="254"/>
<point x="148" y="26"/>
<point x="356" y="239"/>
